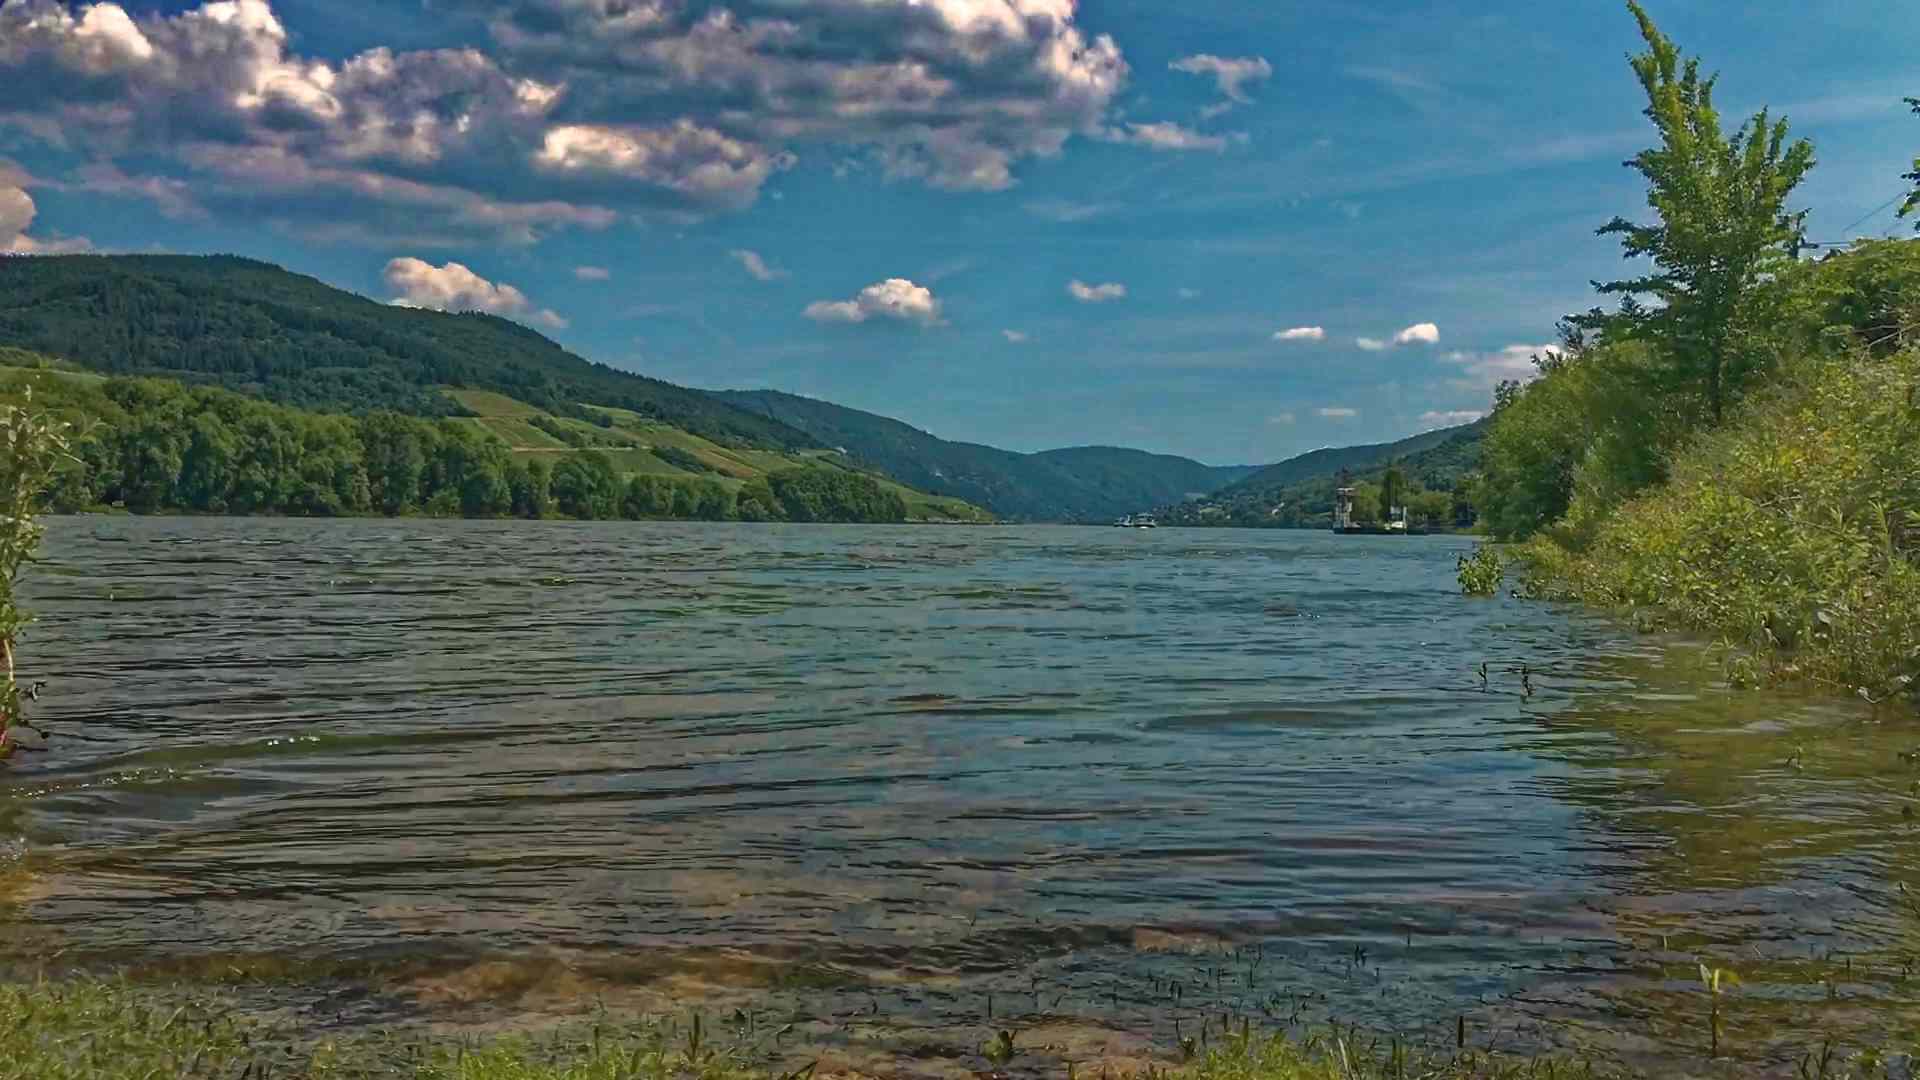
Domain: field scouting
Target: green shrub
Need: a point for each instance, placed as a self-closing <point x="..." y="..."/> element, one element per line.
<point x="1480" y="572"/>
<point x="33" y="445"/>
<point x="1793" y="532"/>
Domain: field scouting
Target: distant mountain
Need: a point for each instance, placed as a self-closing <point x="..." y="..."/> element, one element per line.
<point x="1304" y="485"/>
<point x="1138" y="479"/>
<point x="1327" y="462"/>
<point x="1094" y="483"/>
<point x="253" y="327"/>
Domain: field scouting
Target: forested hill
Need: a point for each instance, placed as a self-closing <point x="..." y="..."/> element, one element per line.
<point x="1328" y="462"/>
<point x="1081" y="484"/>
<point x="253" y="327"/>
<point x="1299" y="491"/>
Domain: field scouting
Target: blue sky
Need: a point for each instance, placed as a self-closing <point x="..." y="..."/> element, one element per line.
<point x="888" y="203"/>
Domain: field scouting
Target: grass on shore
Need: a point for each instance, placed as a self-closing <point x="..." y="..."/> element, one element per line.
<point x="85" y="1029"/>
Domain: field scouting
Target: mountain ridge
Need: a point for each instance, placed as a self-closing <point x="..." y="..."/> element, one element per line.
<point x="1070" y="484"/>
<point x="258" y="328"/>
<point x="261" y="329"/>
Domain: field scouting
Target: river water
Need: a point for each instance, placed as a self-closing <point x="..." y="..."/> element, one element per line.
<point x="1069" y="766"/>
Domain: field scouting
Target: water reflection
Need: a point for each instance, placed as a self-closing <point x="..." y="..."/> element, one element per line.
<point x="931" y="765"/>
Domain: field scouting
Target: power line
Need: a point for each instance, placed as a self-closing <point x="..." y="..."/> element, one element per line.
<point x="1864" y="218"/>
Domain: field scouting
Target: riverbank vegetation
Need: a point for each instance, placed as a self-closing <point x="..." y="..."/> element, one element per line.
<point x="107" y="1030"/>
<point x="1729" y="451"/>
<point x="155" y="445"/>
<point x="33" y="447"/>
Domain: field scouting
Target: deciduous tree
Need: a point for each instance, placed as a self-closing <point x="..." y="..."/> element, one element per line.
<point x="1723" y="226"/>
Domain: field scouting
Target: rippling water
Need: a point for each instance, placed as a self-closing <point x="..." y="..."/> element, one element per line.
<point x="965" y="755"/>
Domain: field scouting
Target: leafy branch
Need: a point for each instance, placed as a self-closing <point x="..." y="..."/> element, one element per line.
<point x="32" y="447"/>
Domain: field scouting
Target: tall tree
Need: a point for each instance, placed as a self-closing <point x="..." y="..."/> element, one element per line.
<point x="1913" y="198"/>
<point x="1723" y="223"/>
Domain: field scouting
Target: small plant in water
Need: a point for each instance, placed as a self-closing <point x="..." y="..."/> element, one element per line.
<point x="1480" y="572"/>
<point x="1000" y="1048"/>
<point x="1715" y="981"/>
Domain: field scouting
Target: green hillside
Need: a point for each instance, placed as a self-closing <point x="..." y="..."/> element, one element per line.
<point x="638" y="446"/>
<point x="1299" y="491"/>
<point x="255" y="328"/>
<point x="155" y="445"/>
<point x="1082" y="484"/>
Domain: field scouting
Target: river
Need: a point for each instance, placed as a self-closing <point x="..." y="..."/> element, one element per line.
<point x="511" y="765"/>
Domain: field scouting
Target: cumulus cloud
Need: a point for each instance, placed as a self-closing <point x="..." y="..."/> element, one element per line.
<point x="17" y="211"/>
<point x="1486" y="370"/>
<point x="755" y="265"/>
<point x="1230" y="75"/>
<point x="1096" y="294"/>
<point x="566" y="113"/>
<point x="1302" y="333"/>
<point x="1015" y="337"/>
<point x="1167" y="137"/>
<point x="454" y="287"/>
<point x="592" y="273"/>
<point x="895" y="299"/>
<point x="1337" y="412"/>
<point x="1418" y="334"/>
<point x="703" y="164"/>
<point x="1424" y="333"/>
<point x="1450" y="418"/>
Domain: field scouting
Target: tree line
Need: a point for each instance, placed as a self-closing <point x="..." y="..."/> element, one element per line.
<point x="155" y="445"/>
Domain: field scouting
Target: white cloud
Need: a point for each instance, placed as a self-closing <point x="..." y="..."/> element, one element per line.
<point x="1015" y="337"/>
<point x="698" y="162"/>
<point x="1067" y="211"/>
<point x="1302" y="333"/>
<point x="1281" y="419"/>
<point x="1486" y="370"/>
<point x="17" y="212"/>
<point x="1424" y="333"/>
<point x="592" y="273"/>
<point x="1450" y="418"/>
<point x="895" y="298"/>
<point x="1417" y="334"/>
<point x="454" y="287"/>
<point x="1337" y="412"/>
<point x="1168" y="136"/>
<point x="755" y="265"/>
<point x="1230" y="75"/>
<point x="1096" y="294"/>
<point x="1188" y="294"/>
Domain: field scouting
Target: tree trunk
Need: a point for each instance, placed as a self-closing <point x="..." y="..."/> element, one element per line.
<point x="1714" y="389"/>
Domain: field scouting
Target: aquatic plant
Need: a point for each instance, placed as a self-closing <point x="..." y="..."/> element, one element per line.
<point x="1000" y="1048"/>
<point x="32" y="447"/>
<point x="1480" y="572"/>
<point x="1715" y="981"/>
